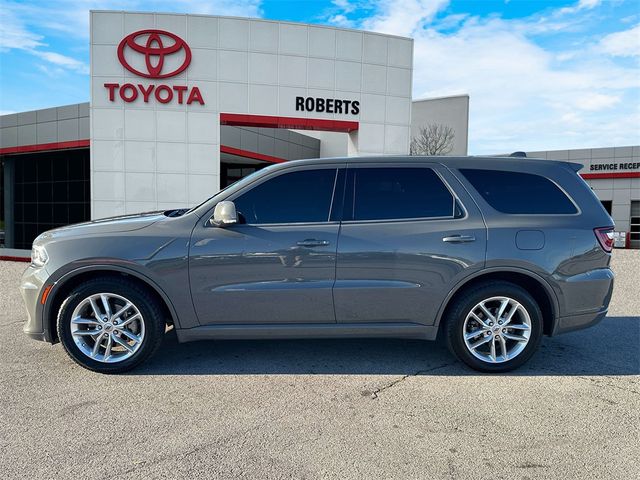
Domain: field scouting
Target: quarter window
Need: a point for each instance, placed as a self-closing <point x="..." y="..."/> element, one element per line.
<point x="398" y="193"/>
<point x="296" y="197"/>
<point x="519" y="193"/>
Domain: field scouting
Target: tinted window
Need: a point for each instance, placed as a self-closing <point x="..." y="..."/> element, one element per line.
<point x="303" y="196"/>
<point x="390" y="193"/>
<point x="519" y="193"/>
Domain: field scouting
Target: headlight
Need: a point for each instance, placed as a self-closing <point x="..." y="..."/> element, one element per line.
<point x="39" y="256"/>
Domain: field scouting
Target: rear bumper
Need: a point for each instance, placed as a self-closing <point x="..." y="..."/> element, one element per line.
<point x="578" y="322"/>
<point x="586" y="292"/>
<point x="586" y="298"/>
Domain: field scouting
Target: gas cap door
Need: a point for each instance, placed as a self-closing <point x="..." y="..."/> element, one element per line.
<point x="530" y="240"/>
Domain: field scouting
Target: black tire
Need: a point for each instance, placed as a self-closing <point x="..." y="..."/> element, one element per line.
<point x="462" y="306"/>
<point x="154" y="322"/>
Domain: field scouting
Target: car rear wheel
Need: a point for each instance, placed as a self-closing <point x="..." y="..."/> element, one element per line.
<point x="495" y="327"/>
<point x="110" y="325"/>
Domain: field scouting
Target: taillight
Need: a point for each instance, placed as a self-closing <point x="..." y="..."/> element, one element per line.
<point x="605" y="237"/>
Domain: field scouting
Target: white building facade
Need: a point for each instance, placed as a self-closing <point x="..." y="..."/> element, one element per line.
<point x="162" y="85"/>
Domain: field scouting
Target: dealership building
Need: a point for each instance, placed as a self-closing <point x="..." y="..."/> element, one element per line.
<point x="183" y="105"/>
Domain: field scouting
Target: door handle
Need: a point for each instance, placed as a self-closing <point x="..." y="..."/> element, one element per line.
<point x="459" y="239"/>
<point x="312" y="242"/>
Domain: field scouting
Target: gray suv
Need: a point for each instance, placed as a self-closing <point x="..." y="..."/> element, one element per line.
<point x="489" y="254"/>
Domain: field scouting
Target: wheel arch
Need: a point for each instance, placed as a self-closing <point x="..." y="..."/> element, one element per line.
<point x="530" y="281"/>
<point x="72" y="279"/>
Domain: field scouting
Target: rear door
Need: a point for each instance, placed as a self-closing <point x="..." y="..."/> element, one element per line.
<point x="409" y="233"/>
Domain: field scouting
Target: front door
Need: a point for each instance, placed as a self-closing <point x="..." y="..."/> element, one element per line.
<point x="409" y="234"/>
<point x="276" y="266"/>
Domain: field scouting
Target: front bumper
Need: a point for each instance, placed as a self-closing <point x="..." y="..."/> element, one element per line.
<point x="31" y="285"/>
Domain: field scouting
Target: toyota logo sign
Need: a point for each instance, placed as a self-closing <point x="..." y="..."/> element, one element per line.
<point x="153" y="48"/>
<point x="154" y="51"/>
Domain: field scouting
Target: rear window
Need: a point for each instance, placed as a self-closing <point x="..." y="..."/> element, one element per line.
<point x="519" y="193"/>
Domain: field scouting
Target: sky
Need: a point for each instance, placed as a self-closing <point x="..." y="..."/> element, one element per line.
<point x="541" y="75"/>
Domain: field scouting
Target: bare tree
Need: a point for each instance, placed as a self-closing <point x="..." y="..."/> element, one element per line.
<point x="433" y="139"/>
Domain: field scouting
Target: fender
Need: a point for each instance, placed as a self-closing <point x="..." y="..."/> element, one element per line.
<point x="461" y="284"/>
<point x="44" y="311"/>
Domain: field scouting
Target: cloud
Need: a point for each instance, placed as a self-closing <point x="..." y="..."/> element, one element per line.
<point x="589" y="3"/>
<point x="341" y="20"/>
<point x="71" y="17"/>
<point x="344" y="5"/>
<point x="238" y="8"/>
<point x="524" y="95"/>
<point x="62" y="61"/>
<point x="396" y="17"/>
<point x="13" y="34"/>
<point x="519" y="92"/>
<point x="597" y="101"/>
<point x="622" y="44"/>
<point x="32" y="27"/>
<point x="581" y="5"/>
<point x="51" y="71"/>
<point x="402" y="17"/>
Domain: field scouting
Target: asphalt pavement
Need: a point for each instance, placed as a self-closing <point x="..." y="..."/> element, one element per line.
<point x="326" y="408"/>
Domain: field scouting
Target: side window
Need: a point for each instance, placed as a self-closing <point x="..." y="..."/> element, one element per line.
<point x="519" y="193"/>
<point x="396" y="193"/>
<point x="302" y="196"/>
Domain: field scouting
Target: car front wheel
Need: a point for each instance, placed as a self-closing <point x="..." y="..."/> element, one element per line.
<point x="495" y="327"/>
<point x="110" y="325"/>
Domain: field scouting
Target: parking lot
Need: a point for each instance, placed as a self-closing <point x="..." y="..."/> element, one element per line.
<point x="326" y="409"/>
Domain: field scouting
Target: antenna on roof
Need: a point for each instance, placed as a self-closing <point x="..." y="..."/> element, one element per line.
<point x="518" y="154"/>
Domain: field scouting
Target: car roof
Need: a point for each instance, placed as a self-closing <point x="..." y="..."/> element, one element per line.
<point x="455" y="162"/>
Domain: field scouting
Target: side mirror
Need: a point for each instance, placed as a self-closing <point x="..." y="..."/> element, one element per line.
<point x="224" y="214"/>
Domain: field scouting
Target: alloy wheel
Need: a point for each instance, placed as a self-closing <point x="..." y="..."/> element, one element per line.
<point x="107" y="327"/>
<point x="497" y="329"/>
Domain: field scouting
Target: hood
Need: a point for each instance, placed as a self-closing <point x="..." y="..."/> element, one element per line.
<point x="123" y="223"/>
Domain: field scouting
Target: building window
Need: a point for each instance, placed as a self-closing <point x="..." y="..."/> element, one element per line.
<point x="2" y="204"/>
<point x="51" y="190"/>
<point x="232" y="172"/>
<point x="634" y="229"/>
